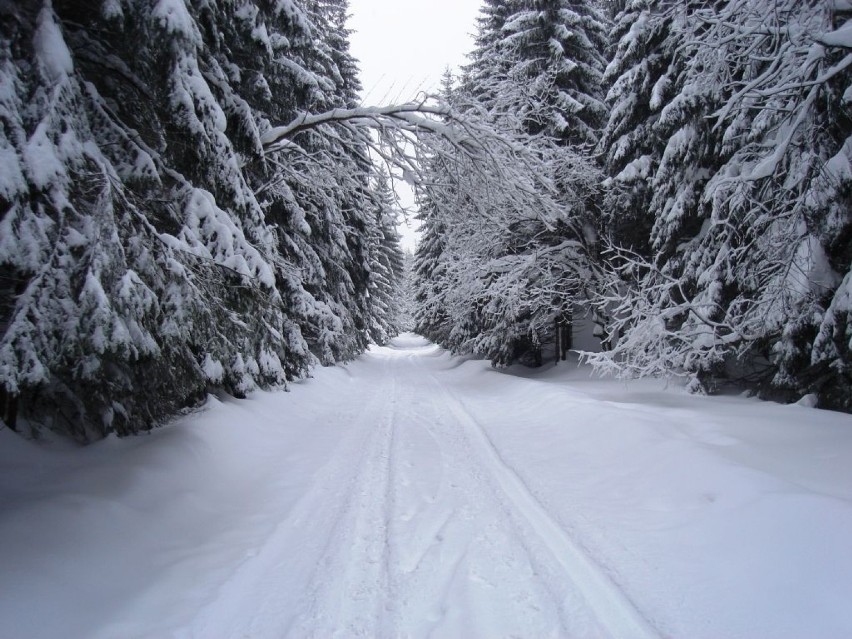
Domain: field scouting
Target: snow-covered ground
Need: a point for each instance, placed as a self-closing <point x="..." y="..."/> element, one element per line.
<point x="412" y="493"/>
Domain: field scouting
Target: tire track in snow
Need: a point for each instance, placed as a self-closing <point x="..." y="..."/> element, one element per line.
<point x="471" y="566"/>
<point x="308" y="548"/>
<point x="610" y="605"/>
<point x="350" y="591"/>
<point x="414" y="527"/>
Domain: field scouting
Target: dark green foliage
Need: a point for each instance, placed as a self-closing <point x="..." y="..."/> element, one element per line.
<point x="728" y="152"/>
<point x="149" y="249"/>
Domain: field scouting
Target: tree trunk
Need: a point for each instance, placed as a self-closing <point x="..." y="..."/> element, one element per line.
<point x="567" y="330"/>
<point x="9" y="409"/>
<point x="563" y="327"/>
<point x="557" y="339"/>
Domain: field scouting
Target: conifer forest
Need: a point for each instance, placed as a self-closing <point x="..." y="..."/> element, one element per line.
<point x="194" y="199"/>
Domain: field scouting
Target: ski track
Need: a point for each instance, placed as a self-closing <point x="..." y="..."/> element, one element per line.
<point x="416" y="527"/>
<point x="612" y="608"/>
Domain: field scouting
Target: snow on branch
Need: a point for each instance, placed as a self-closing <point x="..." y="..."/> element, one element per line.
<point x="403" y="135"/>
<point x="412" y="116"/>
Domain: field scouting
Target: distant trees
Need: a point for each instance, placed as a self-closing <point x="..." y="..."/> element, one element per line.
<point x="388" y="269"/>
<point x="407" y="294"/>
<point x="503" y="272"/>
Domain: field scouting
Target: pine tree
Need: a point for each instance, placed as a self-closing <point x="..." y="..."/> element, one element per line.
<point x="743" y="251"/>
<point x="408" y="292"/>
<point x="329" y="177"/>
<point x="149" y="247"/>
<point x="510" y="275"/>
<point x="640" y="77"/>
<point x="430" y="274"/>
<point x="785" y="188"/>
<point x="555" y="48"/>
<point x="387" y="266"/>
<point x="496" y="268"/>
<point x="91" y="274"/>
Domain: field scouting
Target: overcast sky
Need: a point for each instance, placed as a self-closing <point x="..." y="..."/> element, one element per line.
<point x="403" y="47"/>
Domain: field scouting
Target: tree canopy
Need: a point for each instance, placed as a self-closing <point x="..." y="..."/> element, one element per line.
<point x="192" y="198"/>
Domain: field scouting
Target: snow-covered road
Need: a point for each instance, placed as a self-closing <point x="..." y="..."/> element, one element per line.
<point x="415" y="526"/>
<point x="415" y="494"/>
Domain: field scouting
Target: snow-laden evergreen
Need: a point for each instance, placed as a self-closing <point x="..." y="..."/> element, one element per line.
<point x="723" y="230"/>
<point x="730" y="128"/>
<point x="498" y="279"/>
<point x="554" y="51"/>
<point x="387" y="266"/>
<point x="639" y="77"/>
<point x="189" y="199"/>
<point x="149" y="248"/>
<point x="408" y="293"/>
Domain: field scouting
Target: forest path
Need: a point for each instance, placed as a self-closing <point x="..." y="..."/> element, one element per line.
<point x="413" y="493"/>
<point x="415" y="527"/>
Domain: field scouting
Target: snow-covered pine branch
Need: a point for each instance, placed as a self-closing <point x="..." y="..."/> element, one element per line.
<point x="729" y="135"/>
<point x="149" y="249"/>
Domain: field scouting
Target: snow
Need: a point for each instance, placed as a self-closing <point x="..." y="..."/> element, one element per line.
<point x="811" y="269"/>
<point x="213" y="369"/>
<point x="112" y="9"/>
<point x="637" y="169"/>
<point x="412" y="493"/>
<point x="839" y="167"/>
<point x="50" y="48"/>
<point x="841" y="37"/>
<point x="42" y="158"/>
<point x="11" y="178"/>
<point x="174" y="17"/>
<point x="211" y="233"/>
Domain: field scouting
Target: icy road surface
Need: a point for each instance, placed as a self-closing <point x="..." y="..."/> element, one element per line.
<point x="414" y="494"/>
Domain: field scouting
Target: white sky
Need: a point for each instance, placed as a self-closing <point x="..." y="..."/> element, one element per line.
<point x="403" y="47"/>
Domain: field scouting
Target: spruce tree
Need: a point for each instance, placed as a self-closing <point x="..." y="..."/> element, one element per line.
<point x="386" y="265"/>
<point x="149" y="248"/>
<point x="640" y="78"/>
<point x="743" y="132"/>
<point x="535" y="72"/>
<point x="556" y="49"/>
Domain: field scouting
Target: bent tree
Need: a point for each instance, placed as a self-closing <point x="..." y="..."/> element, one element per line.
<point x="519" y="255"/>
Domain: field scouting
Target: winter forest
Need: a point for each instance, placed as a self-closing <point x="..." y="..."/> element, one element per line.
<point x="193" y="197"/>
